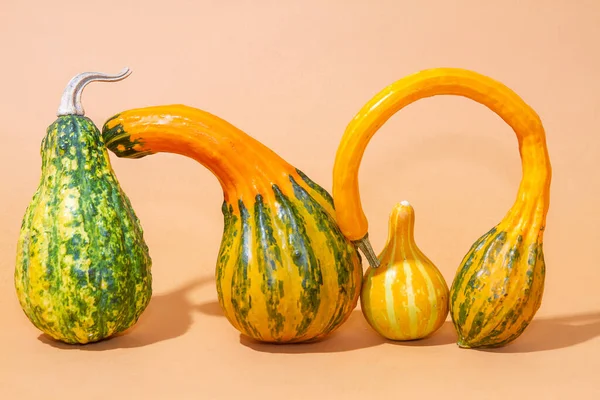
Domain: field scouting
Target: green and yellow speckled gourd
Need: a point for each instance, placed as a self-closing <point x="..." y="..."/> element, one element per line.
<point x="499" y="285"/>
<point x="285" y="273"/>
<point x="83" y="268"/>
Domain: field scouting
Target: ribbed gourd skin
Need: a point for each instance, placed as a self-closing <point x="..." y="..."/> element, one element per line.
<point x="83" y="270"/>
<point x="406" y="297"/>
<point x="498" y="288"/>
<point x="285" y="273"/>
<point x="283" y="269"/>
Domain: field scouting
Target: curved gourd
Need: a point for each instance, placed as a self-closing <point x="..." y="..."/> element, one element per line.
<point x="407" y="297"/>
<point x="285" y="272"/>
<point x="83" y="269"/>
<point x="499" y="284"/>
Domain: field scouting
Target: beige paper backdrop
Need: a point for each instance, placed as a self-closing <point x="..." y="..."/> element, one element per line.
<point x="293" y="74"/>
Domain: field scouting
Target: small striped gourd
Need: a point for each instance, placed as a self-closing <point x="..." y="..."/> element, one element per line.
<point x="82" y="269"/>
<point x="285" y="272"/>
<point x="499" y="285"/>
<point x="406" y="298"/>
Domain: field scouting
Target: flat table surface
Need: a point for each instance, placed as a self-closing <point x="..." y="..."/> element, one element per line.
<point x="184" y="348"/>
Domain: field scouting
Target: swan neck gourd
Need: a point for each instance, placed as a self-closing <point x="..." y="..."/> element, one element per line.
<point x="499" y="285"/>
<point x="533" y="193"/>
<point x="285" y="272"/>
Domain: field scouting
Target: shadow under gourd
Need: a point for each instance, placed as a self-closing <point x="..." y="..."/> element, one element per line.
<point x="285" y="273"/>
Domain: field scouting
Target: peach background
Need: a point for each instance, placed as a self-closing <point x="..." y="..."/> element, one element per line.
<point x="293" y="74"/>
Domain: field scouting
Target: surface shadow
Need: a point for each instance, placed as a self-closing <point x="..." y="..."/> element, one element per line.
<point x="212" y="308"/>
<point x="445" y="335"/>
<point x="354" y="334"/>
<point x="167" y="316"/>
<point x="554" y="333"/>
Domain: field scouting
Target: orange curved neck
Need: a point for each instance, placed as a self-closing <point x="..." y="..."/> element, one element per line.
<point x="533" y="197"/>
<point x="243" y="165"/>
<point x="535" y="184"/>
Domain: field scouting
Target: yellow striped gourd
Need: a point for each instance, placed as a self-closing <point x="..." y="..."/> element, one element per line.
<point x="407" y="297"/>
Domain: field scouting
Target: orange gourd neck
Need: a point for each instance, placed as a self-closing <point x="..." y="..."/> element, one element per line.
<point x="243" y="165"/>
<point x="400" y="244"/>
<point x="531" y="205"/>
<point x="532" y="202"/>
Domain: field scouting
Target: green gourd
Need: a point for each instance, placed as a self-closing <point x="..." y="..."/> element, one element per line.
<point x="83" y="269"/>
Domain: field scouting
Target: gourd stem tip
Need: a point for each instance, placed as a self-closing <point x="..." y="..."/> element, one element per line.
<point x="365" y="247"/>
<point x="70" y="102"/>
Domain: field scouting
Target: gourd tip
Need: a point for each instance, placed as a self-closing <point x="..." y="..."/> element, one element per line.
<point x="402" y="207"/>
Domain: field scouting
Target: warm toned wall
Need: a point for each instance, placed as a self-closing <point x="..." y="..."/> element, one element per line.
<point x="293" y="74"/>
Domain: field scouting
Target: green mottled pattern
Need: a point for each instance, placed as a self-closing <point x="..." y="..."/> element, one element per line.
<point x="83" y="270"/>
<point x="269" y="259"/>
<point x="294" y="235"/>
<point x="291" y="242"/>
<point x="468" y="260"/>
<point x="343" y="253"/>
<point x="285" y="272"/>
<point x="316" y="187"/>
<point x="119" y="141"/>
<point x="497" y="290"/>
<point x="230" y="233"/>
<point x="241" y="297"/>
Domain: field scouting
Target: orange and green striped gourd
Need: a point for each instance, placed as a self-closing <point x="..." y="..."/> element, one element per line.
<point x="285" y="273"/>
<point x="499" y="284"/>
<point x="406" y="298"/>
